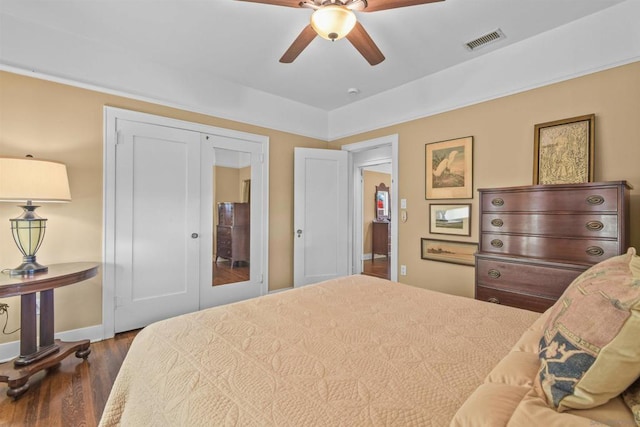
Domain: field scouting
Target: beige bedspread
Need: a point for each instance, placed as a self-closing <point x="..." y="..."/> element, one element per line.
<point x="347" y="352"/>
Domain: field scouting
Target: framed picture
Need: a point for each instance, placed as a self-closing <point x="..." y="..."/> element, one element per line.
<point x="448" y="251"/>
<point x="563" y="151"/>
<point x="449" y="169"/>
<point x="450" y="219"/>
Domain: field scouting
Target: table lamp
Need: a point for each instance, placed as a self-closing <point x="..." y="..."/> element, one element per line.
<point x="28" y="179"/>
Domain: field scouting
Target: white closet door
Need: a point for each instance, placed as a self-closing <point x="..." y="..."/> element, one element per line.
<point x="157" y="216"/>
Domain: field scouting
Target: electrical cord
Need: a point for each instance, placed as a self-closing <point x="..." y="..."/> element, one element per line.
<point x="4" y="309"/>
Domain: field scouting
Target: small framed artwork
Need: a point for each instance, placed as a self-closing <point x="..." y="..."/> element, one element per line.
<point x="450" y="219"/>
<point x="564" y="151"/>
<point x="449" y="169"/>
<point x="448" y="251"/>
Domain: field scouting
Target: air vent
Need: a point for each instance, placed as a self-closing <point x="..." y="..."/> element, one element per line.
<point x="488" y="38"/>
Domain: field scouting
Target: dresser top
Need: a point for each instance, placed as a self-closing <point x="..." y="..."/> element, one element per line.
<point x="561" y="186"/>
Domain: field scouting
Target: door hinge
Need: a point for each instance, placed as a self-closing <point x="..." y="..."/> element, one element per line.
<point x="261" y="158"/>
<point x="261" y="278"/>
<point x="119" y="138"/>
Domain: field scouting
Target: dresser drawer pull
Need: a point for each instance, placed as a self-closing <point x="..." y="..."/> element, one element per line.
<point x="595" y="200"/>
<point x="497" y="222"/>
<point x="594" y="251"/>
<point x="594" y="225"/>
<point x="497" y="243"/>
<point x="497" y="202"/>
<point x="493" y="273"/>
<point x="493" y="300"/>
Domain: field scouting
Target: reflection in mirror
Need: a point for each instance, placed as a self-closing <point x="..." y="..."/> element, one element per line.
<point x="382" y="203"/>
<point x="231" y="216"/>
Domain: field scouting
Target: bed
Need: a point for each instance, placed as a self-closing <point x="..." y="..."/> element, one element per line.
<point x="353" y="351"/>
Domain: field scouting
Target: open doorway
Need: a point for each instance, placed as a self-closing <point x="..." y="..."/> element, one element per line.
<point x="375" y="155"/>
<point x="376" y="220"/>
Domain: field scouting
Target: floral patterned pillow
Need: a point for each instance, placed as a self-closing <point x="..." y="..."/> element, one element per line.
<point x="590" y="348"/>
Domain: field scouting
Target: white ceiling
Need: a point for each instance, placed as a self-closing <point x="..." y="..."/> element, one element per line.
<point x="240" y="42"/>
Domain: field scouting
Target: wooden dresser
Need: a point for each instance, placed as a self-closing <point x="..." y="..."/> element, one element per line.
<point x="535" y="240"/>
<point x="232" y="232"/>
<point x="380" y="239"/>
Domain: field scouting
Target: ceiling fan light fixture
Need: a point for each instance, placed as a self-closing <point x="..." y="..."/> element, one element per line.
<point x="333" y="22"/>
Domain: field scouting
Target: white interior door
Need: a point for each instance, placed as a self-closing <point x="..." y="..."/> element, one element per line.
<point x="157" y="216"/>
<point x="321" y="213"/>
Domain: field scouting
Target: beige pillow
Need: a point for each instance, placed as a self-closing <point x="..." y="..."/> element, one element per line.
<point x="590" y="349"/>
<point x="631" y="398"/>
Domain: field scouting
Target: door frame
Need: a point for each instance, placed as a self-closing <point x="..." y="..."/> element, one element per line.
<point x="355" y="212"/>
<point x="111" y="115"/>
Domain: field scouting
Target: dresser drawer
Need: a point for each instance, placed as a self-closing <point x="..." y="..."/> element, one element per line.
<point x="575" y="225"/>
<point x="224" y="251"/>
<point x="532" y="279"/>
<point x="513" y="299"/>
<point x="589" y="251"/>
<point x="603" y="199"/>
<point x="224" y="233"/>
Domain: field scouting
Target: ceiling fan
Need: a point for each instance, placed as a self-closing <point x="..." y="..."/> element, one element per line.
<point x="334" y="19"/>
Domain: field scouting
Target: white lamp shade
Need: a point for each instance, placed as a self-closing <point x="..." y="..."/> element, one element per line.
<point x="333" y="22"/>
<point x="24" y="179"/>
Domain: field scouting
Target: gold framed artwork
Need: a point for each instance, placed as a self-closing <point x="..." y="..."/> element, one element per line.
<point x="448" y="251"/>
<point x="450" y="219"/>
<point x="449" y="169"/>
<point x="564" y="151"/>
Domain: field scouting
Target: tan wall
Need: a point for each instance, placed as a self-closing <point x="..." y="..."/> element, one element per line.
<point x="228" y="185"/>
<point x="64" y="123"/>
<point x="243" y="174"/>
<point x="370" y="181"/>
<point x="503" y="145"/>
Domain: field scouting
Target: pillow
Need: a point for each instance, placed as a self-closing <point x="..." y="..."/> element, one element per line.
<point x="631" y="398"/>
<point x="590" y="351"/>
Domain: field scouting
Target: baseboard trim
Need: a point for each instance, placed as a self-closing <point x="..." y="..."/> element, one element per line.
<point x="275" y="291"/>
<point x="11" y="349"/>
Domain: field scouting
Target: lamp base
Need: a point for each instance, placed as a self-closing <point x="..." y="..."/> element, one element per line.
<point x="29" y="267"/>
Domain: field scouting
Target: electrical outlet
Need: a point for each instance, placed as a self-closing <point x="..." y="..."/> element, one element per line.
<point x="403" y="270"/>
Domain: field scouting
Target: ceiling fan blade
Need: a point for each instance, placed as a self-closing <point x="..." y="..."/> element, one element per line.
<point x="361" y="40"/>
<point x="375" y="5"/>
<point x="287" y="3"/>
<point x="302" y="41"/>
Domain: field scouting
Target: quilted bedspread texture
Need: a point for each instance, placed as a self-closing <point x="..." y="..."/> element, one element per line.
<point x="354" y="351"/>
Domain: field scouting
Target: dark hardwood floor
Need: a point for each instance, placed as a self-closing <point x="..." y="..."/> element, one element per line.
<point x="224" y="274"/>
<point x="381" y="267"/>
<point x="73" y="394"/>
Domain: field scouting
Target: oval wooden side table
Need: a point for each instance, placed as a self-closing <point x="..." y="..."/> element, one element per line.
<point x="50" y="351"/>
